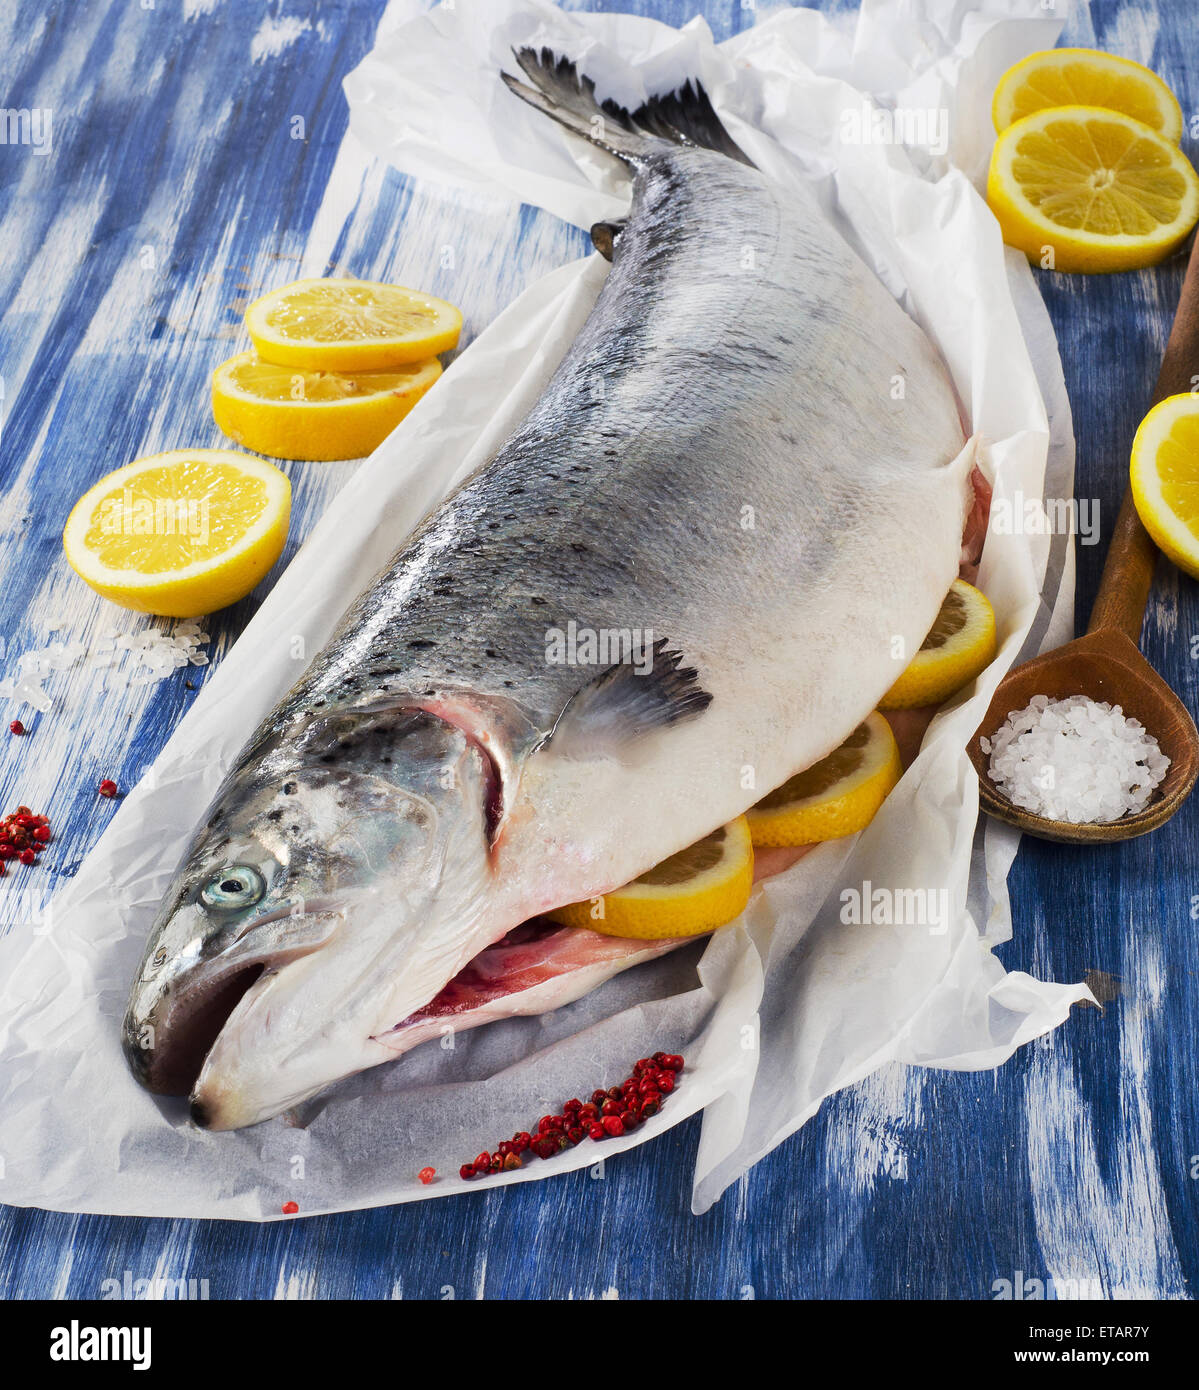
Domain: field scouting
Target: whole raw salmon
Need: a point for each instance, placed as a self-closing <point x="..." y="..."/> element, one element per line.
<point x="690" y="573"/>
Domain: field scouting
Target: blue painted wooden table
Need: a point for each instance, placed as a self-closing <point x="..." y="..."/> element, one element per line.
<point x="195" y="156"/>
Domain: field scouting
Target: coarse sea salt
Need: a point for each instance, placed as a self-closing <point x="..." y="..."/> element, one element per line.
<point x="1075" y="760"/>
<point x="123" y="659"/>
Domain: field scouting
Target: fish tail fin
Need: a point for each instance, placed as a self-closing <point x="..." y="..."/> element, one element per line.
<point x="682" y="117"/>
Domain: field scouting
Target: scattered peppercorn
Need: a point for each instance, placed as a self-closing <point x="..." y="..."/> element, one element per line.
<point x="107" y="788"/>
<point x="23" y="836"/>
<point x="608" y="1114"/>
<point x="426" y="1175"/>
<point x="290" y="1208"/>
<point x="16" y="727"/>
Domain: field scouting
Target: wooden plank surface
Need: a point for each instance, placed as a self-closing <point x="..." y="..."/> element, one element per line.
<point x="173" y="130"/>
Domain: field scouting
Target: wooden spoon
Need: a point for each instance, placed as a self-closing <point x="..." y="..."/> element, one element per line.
<point x="1107" y="663"/>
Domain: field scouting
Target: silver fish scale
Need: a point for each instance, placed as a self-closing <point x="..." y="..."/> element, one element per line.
<point x="703" y="382"/>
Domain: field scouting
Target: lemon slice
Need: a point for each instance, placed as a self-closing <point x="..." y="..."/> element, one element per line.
<point x="1081" y="188"/>
<point x="1084" y="77"/>
<point x="1165" y="478"/>
<point x="350" y="326"/>
<point x="294" y="414"/>
<point x="837" y="796"/>
<point x="182" y="533"/>
<point x="960" y="644"/>
<point x="695" y="891"/>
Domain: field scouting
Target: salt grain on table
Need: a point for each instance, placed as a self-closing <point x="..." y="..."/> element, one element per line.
<point x="154" y="654"/>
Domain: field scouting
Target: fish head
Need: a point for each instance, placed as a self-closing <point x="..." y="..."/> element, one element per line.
<point x="342" y="872"/>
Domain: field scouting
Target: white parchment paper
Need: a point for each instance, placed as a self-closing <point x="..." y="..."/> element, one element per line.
<point x="789" y="1004"/>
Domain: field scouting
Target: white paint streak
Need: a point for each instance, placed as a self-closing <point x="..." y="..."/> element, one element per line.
<point x="870" y="1141"/>
<point x="297" y="1286"/>
<point x="193" y="9"/>
<point x="64" y="246"/>
<point x="274" y="36"/>
<point x="1133" y="34"/>
<point x="1112" y="1230"/>
<point x="62" y="1275"/>
<point x="354" y="181"/>
<point x="740" y="1200"/>
<point x="172" y="1262"/>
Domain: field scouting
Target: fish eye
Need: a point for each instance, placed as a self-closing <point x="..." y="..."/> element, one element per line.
<point x="238" y="886"/>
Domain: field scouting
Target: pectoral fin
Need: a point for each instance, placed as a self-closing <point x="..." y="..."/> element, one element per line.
<point x="608" y="715"/>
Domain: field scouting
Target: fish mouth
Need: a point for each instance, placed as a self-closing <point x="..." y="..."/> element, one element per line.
<point x="191" y="1011"/>
<point x="233" y="1089"/>
<point x="190" y="1027"/>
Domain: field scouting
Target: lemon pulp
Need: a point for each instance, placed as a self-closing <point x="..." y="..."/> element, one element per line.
<point x="692" y="892"/>
<point x="181" y="533"/>
<point x="1164" y="475"/>
<point x="960" y="644"/>
<point x="1086" y="77"/>
<point x="1082" y="188"/>
<point x="837" y="796"/>
<point x="293" y="413"/>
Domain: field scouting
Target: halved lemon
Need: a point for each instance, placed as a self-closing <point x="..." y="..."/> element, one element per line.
<point x="837" y="796"/>
<point x="293" y="414"/>
<point x="694" y="891"/>
<point x="960" y="644"/>
<point x="1080" y="188"/>
<point x="182" y="533"/>
<point x="1085" y="77"/>
<point x="350" y="326"/>
<point x="1165" y="478"/>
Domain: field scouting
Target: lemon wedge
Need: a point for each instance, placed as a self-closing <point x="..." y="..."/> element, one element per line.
<point x="182" y="533"/>
<point x="294" y="414"/>
<point x="350" y="326"/>
<point x="1085" y="77"/>
<point x="960" y="644"/>
<point x="1165" y="478"/>
<point x="1080" y="188"/>
<point x="694" y="891"/>
<point x="837" y="796"/>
